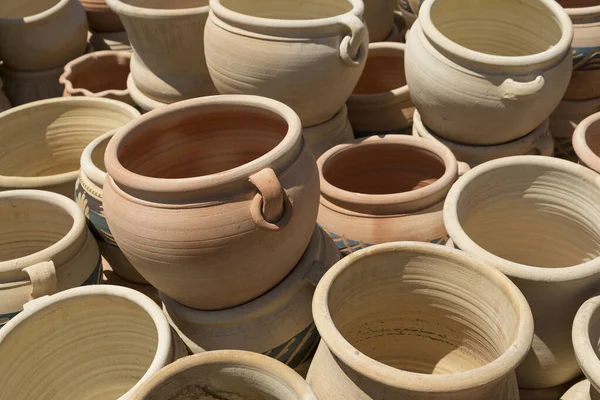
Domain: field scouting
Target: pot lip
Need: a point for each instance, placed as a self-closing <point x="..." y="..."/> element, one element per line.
<point x="95" y="174"/>
<point x="401" y="379"/>
<point x="144" y="102"/>
<point x="509" y="268"/>
<point x="36" y="17"/>
<point x="580" y="144"/>
<point x="582" y="12"/>
<point x="555" y="52"/>
<point x="122" y="8"/>
<point x="122" y="176"/>
<point x="585" y="352"/>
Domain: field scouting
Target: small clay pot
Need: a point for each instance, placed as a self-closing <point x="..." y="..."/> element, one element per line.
<point x="116" y="41"/>
<point x="336" y="131"/>
<point x="379" y="19"/>
<point x="564" y="121"/>
<point x="22" y="87"/>
<point x="100" y="17"/>
<point x="586" y="142"/>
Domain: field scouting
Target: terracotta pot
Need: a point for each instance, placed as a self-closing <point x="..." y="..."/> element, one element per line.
<point x="22" y="87"/>
<point x="385" y="189"/>
<point x="100" y="17"/>
<point x="269" y="42"/>
<point x="278" y="324"/>
<point x="226" y="374"/>
<point x="41" y="34"/>
<point x="42" y="141"/>
<point x="117" y="41"/>
<point x="322" y="137"/>
<point x="380" y="103"/>
<point x="538" y="142"/>
<point x="535" y="219"/>
<point x="379" y="19"/>
<point x="494" y="61"/>
<point x="414" y="320"/>
<point x="4" y="102"/>
<point x="586" y="142"/>
<point x="168" y="63"/>
<point x="88" y="195"/>
<point x="235" y="165"/>
<point x="109" y="277"/>
<point x="565" y="119"/>
<point x="96" y="342"/>
<point x="45" y="248"/>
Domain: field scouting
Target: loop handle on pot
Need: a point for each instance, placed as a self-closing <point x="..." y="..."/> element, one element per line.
<point x="316" y="272"/>
<point x="352" y="49"/>
<point x="544" y="145"/>
<point x="463" y="168"/>
<point x="43" y="279"/>
<point x="271" y="194"/>
<point x="513" y="90"/>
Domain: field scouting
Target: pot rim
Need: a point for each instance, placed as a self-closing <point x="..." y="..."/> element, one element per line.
<point x="95" y="174"/>
<point x="122" y="8"/>
<point x="582" y="13"/>
<point x="61" y="4"/>
<point x="585" y="352"/>
<point x="162" y="356"/>
<point x="580" y="143"/>
<point x="402" y="379"/>
<point x="144" y="102"/>
<point x="510" y="268"/>
<point x="456" y="50"/>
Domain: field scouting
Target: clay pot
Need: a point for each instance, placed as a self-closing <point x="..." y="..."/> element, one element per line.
<point x="278" y="324"/>
<point x="535" y="219"/>
<point x="100" y="17"/>
<point x="401" y="27"/>
<point x="227" y="375"/>
<point x="238" y="167"/>
<point x="144" y="102"/>
<point x="269" y="41"/>
<point x="41" y="34"/>
<point x="42" y="141"/>
<point x="4" y="102"/>
<point x="22" y="87"/>
<point x="413" y="320"/>
<point x="581" y="391"/>
<point x="96" y="342"/>
<point x="45" y="248"/>
<point x="109" y="277"/>
<point x="88" y="194"/>
<point x="80" y="76"/>
<point x="380" y="103"/>
<point x="379" y="19"/>
<point x="494" y="61"/>
<point x="408" y="14"/>
<point x="552" y="393"/>
<point x="586" y="142"/>
<point x="566" y="120"/>
<point x="117" y="41"/>
<point x="322" y="137"/>
<point x="538" y="142"/>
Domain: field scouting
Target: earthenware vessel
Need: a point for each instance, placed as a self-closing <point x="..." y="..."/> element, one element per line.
<point x="553" y="393"/>
<point x="41" y="34"/>
<point x="269" y="41"/>
<point x="490" y="67"/>
<point x="380" y="103"/>
<point x="541" y="230"/>
<point x="42" y="141"/>
<point x="4" y="102"/>
<point x="563" y="121"/>
<point x="538" y="142"/>
<point x="379" y="19"/>
<point x="235" y="165"/>
<point x="586" y="142"/>
<point x="45" y="247"/>
<point x="109" y="277"/>
<point x="117" y="41"/>
<point x="582" y="390"/>
<point x="411" y="320"/>
<point x="324" y="136"/>
<point x="400" y="25"/>
<point x="100" y="17"/>
<point x="143" y="102"/>
<point x="22" y="87"/>
<point x="385" y="189"/>
<point x="99" y="342"/>
<point x="408" y="14"/>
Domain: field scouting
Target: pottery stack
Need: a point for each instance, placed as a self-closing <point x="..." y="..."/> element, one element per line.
<point x="106" y="29"/>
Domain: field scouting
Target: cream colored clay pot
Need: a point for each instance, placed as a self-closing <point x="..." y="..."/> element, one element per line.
<point x="411" y="320"/>
<point x="270" y="40"/>
<point x="581" y="391"/>
<point x="324" y="136"/>
<point x="500" y="67"/>
<point x="144" y="102"/>
<point x="92" y="343"/>
<point x="535" y="219"/>
<point x="41" y="34"/>
<point x="116" y="41"/>
<point x="586" y="142"/>
<point x="379" y="19"/>
<point x="225" y="375"/>
<point x="238" y="167"/>
<point x="100" y="17"/>
<point x="565" y="119"/>
<point x="22" y="87"/>
<point x="45" y="248"/>
<point x="380" y="103"/>
<point x="42" y="141"/>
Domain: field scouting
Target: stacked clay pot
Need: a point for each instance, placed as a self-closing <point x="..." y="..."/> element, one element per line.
<point x="586" y="142"/>
<point x="106" y="29"/>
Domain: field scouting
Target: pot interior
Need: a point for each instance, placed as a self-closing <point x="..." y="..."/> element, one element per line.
<point x="166" y="5"/>
<point x="382" y="168"/>
<point x="533" y="215"/>
<point x="384" y="72"/>
<point x="95" y="347"/>
<point x="113" y="69"/>
<point x="592" y="137"/>
<point x="289" y="9"/>
<point x="98" y="154"/>
<point x="25" y="8"/>
<point x="202" y="141"/>
<point x="423" y="312"/>
<point x="498" y="27"/>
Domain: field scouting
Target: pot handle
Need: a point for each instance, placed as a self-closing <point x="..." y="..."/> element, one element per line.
<point x="463" y="168"/>
<point x="544" y="145"/>
<point x="268" y="204"/>
<point x="513" y="90"/>
<point x="43" y="279"/>
<point x="316" y="272"/>
<point x="352" y="49"/>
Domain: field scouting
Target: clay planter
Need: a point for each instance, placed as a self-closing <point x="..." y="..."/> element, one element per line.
<point x="494" y="61"/>
<point x="224" y="176"/>
<point x="117" y="41"/>
<point x="100" y="17"/>
<point x="417" y="321"/>
<point x="538" y="142"/>
<point x="144" y="102"/>
<point x="226" y="374"/>
<point x="278" y="324"/>
<point x="41" y="34"/>
<point x="269" y="42"/>
<point x="42" y="141"/>
<point x="22" y="87"/>
<point x="565" y="119"/>
<point x="385" y="189"/>
<point x="96" y="342"/>
<point x="381" y="103"/>
<point x="535" y="219"/>
<point x="45" y="247"/>
<point x="322" y="137"/>
<point x="379" y="18"/>
<point x="586" y="142"/>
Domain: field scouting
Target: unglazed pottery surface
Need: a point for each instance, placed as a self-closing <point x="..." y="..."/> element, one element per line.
<point x="100" y="17"/>
<point x="109" y="277"/>
<point x="117" y="41"/>
<point x="22" y="87"/>
<point x="586" y="142"/>
<point x="565" y="119"/>
<point x="324" y="136"/>
<point x="379" y="19"/>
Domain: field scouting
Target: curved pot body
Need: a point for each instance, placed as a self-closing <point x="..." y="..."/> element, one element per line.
<point x="586" y="142"/>
<point x="22" y="87"/>
<point x="536" y="220"/>
<point x="269" y="42"/>
<point x="116" y="41"/>
<point x="406" y="321"/>
<point x="379" y="19"/>
<point x="324" y="136"/>
<point x="225" y="176"/>
<point x="42" y="141"/>
<point x="489" y="67"/>
<point x="565" y="119"/>
<point x="100" y="17"/>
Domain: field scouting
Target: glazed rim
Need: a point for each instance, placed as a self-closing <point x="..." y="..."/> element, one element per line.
<point x="510" y="268"/>
<point x="163" y="353"/>
<point x="580" y="143"/>
<point x="586" y="352"/>
<point x="36" y="17"/>
<point x="402" y="379"/>
<point x="286" y="146"/>
<point x="459" y="51"/>
<point x="122" y="8"/>
<point x="88" y="167"/>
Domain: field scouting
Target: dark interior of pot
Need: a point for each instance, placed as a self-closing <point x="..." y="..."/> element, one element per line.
<point x="578" y="3"/>
<point x="24" y="8"/>
<point x="382" y="168"/>
<point x="384" y="71"/>
<point x="201" y="141"/>
<point x="420" y="311"/>
<point x="497" y="27"/>
<point x="289" y="9"/>
<point x="113" y="70"/>
<point x="592" y="137"/>
<point x="167" y="5"/>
